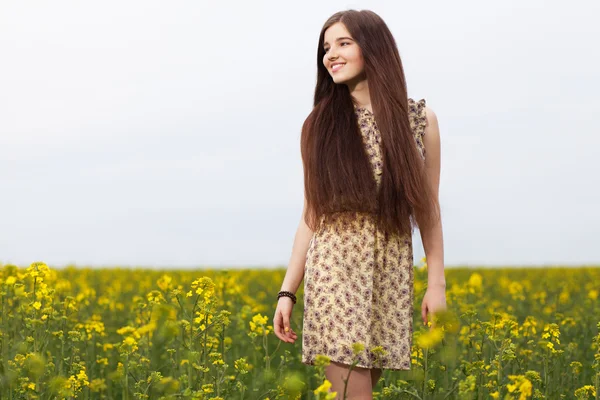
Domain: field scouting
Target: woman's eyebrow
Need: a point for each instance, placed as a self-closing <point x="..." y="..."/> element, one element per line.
<point x="340" y="38"/>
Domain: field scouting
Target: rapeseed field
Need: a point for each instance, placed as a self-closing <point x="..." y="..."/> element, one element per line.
<point x="121" y="333"/>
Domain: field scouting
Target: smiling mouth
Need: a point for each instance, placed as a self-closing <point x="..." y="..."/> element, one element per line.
<point x="337" y="67"/>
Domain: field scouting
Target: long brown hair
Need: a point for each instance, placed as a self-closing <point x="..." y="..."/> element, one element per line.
<point x="338" y="176"/>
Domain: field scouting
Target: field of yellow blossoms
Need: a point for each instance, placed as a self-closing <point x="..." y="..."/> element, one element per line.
<point x="119" y="333"/>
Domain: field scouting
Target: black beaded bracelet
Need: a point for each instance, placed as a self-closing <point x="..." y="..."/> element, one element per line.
<point x="286" y="294"/>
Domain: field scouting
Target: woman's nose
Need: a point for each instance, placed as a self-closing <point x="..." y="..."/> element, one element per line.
<point x="331" y="54"/>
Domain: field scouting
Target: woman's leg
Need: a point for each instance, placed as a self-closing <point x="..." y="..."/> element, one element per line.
<point x="359" y="382"/>
<point x="375" y="375"/>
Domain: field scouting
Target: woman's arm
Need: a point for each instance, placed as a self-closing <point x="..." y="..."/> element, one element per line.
<point x="432" y="238"/>
<point x="295" y="270"/>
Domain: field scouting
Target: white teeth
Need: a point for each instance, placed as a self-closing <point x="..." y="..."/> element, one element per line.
<point x="337" y="66"/>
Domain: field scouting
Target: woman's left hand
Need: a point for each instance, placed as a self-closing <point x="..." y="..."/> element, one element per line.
<point x="434" y="300"/>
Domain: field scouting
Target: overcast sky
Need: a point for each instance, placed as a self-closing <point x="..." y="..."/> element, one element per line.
<point x="166" y="133"/>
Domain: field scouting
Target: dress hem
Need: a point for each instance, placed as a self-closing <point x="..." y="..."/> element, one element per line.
<point x="312" y="363"/>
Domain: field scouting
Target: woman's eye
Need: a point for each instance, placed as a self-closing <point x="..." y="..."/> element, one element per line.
<point x="340" y="43"/>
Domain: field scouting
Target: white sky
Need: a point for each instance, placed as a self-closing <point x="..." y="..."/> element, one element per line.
<point x="166" y="134"/>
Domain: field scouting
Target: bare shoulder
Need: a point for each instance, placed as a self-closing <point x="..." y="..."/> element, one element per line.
<point x="431" y="135"/>
<point x="432" y="121"/>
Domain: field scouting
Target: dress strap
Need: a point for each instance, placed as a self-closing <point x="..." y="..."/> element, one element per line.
<point x="418" y="122"/>
<point x="418" y="115"/>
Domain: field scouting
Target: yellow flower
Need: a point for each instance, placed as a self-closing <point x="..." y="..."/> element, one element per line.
<point x="83" y="378"/>
<point x="322" y="360"/>
<point x="529" y="325"/>
<point x="586" y="392"/>
<point x="155" y="296"/>
<point x="126" y="330"/>
<point x="37" y="305"/>
<point x="324" y="388"/>
<point x="131" y="343"/>
<point x="576" y="367"/>
<point x="516" y="290"/>
<point x="202" y="316"/>
<point x="379" y="352"/>
<point x="146" y="328"/>
<point x="216" y="358"/>
<point x="11" y="280"/>
<point x="164" y="282"/>
<point x="522" y="385"/>
<point x="525" y="389"/>
<point x="205" y="286"/>
<point x="242" y="366"/>
<point x="424" y="262"/>
<point x="475" y="282"/>
<point x="430" y="338"/>
<point x="259" y="319"/>
<point x="551" y="330"/>
<point x="564" y="296"/>
<point x="258" y="323"/>
<point x="357" y="347"/>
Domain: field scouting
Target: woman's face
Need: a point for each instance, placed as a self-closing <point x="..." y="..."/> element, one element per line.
<point x="340" y="48"/>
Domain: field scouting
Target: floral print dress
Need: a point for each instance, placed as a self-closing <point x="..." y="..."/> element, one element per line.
<point x="358" y="280"/>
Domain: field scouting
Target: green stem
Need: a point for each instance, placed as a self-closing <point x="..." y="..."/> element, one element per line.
<point x="223" y="342"/>
<point x="499" y="378"/>
<point x="348" y="378"/>
<point x="34" y="316"/>
<point x="425" y="370"/>
<point x="266" y="347"/>
<point x="545" y="377"/>
<point x="126" y="371"/>
<point x="189" y="366"/>
<point x="4" y="342"/>
<point x="204" y="352"/>
<point x="62" y="340"/>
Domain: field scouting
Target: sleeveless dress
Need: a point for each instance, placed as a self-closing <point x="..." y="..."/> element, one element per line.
<point x="358" y="280"/>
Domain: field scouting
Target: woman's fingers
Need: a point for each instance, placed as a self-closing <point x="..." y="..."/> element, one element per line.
<point x="281" y="326"/>
<point x="287" y="329"/>
<point x="282" y="329"/>
<point x="277" y="325"/>
<point x="291" y="334"/>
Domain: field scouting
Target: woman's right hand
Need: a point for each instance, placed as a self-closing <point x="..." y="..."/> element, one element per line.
<point x="281" y="320"/>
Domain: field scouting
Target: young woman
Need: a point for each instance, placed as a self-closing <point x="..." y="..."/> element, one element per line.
<point x="371" y="159"/>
